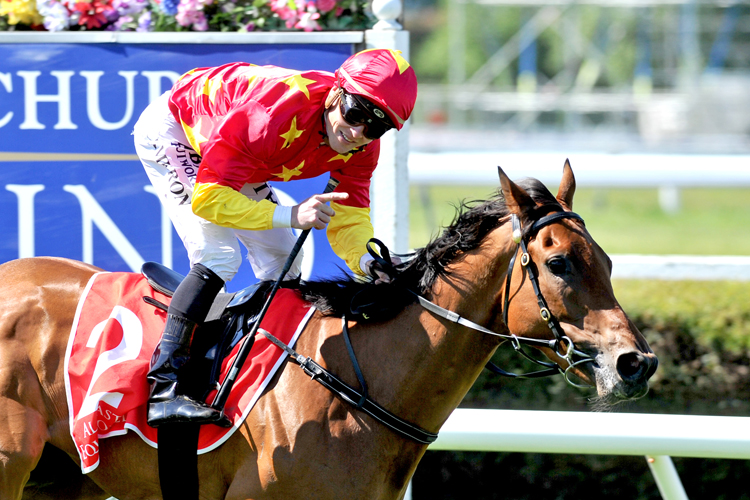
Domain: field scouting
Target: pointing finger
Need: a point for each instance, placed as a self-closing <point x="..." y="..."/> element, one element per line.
<point x="331" y="197"/>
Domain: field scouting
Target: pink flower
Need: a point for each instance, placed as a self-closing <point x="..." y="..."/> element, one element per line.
<point x="281" y="8"/>
<point x="326" y="5"/>
<point x="190" y="13"/>
<point x="308" y="21"/>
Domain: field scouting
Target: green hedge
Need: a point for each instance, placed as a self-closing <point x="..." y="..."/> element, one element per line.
<point x="701" y="333"/>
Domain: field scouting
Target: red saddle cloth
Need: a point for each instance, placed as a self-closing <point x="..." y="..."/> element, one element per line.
<point x="109" y="352"/>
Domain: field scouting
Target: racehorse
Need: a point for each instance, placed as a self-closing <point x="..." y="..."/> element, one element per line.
<point x="419" y="358"/>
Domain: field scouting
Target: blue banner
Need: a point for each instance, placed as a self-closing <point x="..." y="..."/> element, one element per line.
<point x="73" y="185"/>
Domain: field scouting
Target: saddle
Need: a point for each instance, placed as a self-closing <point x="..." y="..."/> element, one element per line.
<point x="234" y="316"/>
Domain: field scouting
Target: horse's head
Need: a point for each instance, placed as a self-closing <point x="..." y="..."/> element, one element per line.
<point x="574" y="286"/>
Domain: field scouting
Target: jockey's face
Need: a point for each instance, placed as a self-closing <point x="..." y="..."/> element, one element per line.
<point x="343" y="136"/>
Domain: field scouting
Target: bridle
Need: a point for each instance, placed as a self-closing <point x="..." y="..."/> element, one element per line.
<point x="561" y="344"/>
<point x="360" y="398"/>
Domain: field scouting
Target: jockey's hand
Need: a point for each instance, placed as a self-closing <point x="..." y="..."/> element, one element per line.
<point x="374" y="270"/>
<point x="313" y="212"/>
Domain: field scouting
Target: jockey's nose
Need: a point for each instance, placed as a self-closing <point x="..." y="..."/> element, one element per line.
<point x="358" y="132"/>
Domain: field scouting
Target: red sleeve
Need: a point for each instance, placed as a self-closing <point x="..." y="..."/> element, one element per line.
<point x="236" y="147"/>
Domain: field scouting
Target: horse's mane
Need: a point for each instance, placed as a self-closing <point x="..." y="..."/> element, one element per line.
<point x="473" y="221"/>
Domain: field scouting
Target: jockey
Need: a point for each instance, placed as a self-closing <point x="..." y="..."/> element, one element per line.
<point x="212" y="145"/>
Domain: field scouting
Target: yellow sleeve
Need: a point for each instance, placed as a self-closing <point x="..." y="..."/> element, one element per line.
<point x="226" y="207"/>
<point x="348" y="233"/>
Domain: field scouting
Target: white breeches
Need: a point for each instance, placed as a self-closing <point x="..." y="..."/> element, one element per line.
<point x="172" y="165"/>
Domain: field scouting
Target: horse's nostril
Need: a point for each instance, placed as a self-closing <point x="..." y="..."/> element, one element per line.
<point x="631" y="366"/>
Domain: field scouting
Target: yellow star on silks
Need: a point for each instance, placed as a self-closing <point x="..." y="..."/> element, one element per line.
<point x="210" y="88"/>
<point x="287" y="173"/>
<point x="251" y="72"/>
<point x="290" y="135"/>
<point x="342" y="157"/>
<point x="402" y="63"/>
<point x="194" y="135"/>
<point x="300" y="83"/>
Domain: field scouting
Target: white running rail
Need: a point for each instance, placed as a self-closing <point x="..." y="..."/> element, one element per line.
<point x="681" y="267"/>
<point x="655" y="436"/>
<point x="591" y="169"/>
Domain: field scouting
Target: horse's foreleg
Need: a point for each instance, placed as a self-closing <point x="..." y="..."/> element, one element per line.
<point x="23" y="428"/>
<point x="23" y="433"/>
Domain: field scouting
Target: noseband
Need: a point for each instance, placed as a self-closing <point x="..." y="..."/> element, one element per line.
<point x="561" y="344"/>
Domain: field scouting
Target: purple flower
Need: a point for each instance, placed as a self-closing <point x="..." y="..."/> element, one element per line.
<point x="129" y="7"/>
<point x="56" y="17"/>
<point x="144" y="22"/>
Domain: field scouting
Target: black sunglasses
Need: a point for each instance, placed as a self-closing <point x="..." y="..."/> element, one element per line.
<point x="358" y="111"/>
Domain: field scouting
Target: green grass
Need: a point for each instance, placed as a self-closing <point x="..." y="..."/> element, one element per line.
<point x="710" y="222"/>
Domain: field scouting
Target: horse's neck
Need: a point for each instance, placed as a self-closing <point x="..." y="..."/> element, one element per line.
<point x="432" y="362"/>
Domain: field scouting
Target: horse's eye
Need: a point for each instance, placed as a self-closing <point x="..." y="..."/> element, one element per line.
<point x="557" y="266"/>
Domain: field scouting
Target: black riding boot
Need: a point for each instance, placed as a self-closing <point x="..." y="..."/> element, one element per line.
<point x="189" y="306"/>
<point x="166" y="404"/>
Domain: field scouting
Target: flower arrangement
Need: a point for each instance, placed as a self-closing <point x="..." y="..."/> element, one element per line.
<point x="184" y="15"/>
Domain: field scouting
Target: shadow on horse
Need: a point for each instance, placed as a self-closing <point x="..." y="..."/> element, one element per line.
<point x="453" y="303"/>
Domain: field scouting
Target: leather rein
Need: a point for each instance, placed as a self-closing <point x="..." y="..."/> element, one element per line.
<point x="561" y="344"/>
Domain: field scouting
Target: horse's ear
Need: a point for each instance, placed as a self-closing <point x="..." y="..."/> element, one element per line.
<point x="567" y="187"/>
<point x="516" y="199"/>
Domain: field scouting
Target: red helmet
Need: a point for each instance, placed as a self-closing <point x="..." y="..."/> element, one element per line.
<point x="383" y="77"/>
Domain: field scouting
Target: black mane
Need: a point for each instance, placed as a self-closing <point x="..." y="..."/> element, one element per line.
<point x="474" y="220"/>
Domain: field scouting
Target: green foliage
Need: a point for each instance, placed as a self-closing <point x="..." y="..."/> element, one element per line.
<point x="486" y="30"/>
<point x="715" y="313"/>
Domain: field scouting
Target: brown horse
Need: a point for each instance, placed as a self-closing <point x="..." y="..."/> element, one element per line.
<point x="300" y="438"/>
